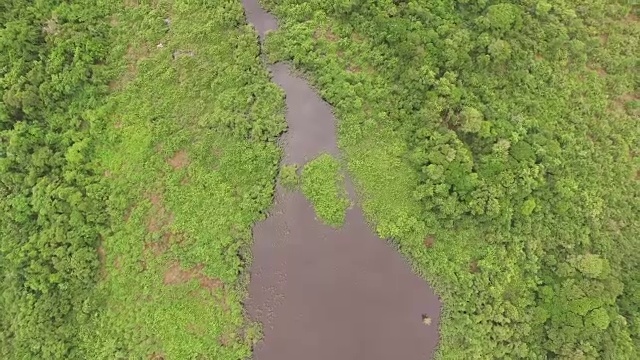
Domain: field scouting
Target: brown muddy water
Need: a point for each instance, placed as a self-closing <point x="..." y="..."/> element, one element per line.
<point x="324" y="293"/>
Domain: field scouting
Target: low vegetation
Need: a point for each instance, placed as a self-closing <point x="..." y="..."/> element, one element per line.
<point x="323" y="185"/>
<point x="496" y="143"/>
<point x="289" y="177"/>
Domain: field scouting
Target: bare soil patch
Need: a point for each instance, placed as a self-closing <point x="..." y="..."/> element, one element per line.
<point x="325" y="34"/>
<point x="353" y="68"/>
<point x="429" y="240"/>
<point x="620" y="103"/>
<point x="474" y="267"/>
<point x="134" y="54"/>
<point x="114" y="21"/>
<point x="156" y="356"/>
<point x="598" y="69"/>
<point x="225" y="340"/>
<point x="196" y="329"/>
<point x="51" y="26"/>
<point x="176" y="275"/>
<point x="158" y="248"/>
<point x="128" y="213"/>
<point x="158" y="218"/>
<point x="179" y="160"/>
<point x="604" y="39"/>
<point x="357" y="37"/>
<point x="102" y="258"/>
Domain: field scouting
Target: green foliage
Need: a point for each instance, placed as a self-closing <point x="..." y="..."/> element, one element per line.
<point x="137" y="149"/>
<point x="51" y="196"/>
<point x="508" y="131"/>
<point x="322" y="184"/>
<point x="289" y="177"/>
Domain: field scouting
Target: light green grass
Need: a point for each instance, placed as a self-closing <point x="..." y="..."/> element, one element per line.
<point x="289" y="177"/>
<point x="220" y="112"/>
<point x="322" y="184"/>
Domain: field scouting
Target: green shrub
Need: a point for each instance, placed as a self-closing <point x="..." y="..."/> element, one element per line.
<point x="289" y="177"/>
<point x="322" y="184"/>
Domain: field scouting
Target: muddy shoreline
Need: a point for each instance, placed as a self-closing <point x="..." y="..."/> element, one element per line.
<point x="324" y="293"/>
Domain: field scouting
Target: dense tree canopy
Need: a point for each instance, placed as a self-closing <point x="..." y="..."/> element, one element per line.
<point x="512" y="128"/>
<point x="52" y="201"/>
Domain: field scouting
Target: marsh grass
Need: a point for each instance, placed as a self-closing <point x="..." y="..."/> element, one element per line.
<point x="323" y="185"/>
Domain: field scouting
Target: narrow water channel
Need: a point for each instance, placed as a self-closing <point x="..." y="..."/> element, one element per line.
<point x="323" y="293"/>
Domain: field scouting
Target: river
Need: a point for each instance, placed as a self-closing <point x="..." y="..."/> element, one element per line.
<point x="324" y="293"/>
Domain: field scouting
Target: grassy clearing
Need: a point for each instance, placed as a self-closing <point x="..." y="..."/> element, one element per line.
<point x="322" y="184"/>
<point x="189" y="150"/>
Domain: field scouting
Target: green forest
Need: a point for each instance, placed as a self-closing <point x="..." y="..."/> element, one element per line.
<point x="508" y="173"/>
<point x="495" y="143"/>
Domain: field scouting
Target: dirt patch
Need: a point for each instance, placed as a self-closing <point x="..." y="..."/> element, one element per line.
<point x="156" y="356"/>
<point x="158" y="248"/>
<point x="325" y="34"/>
<point x="137" y="52"/>
<point x="598" y="69"/>
<point x="620" y="103"/>
<point x="133" y="55"/>
<point x="195" y="329"/>
<point x="159" y="218"/>
<point x="179" y="160"/>
<point x="176" y="275"/>
<point x="604" y="39"/>
<point x="353" y="68"/>
<point x="182" y="53"/>
<point x="357" y="37"/>
<point x="51" y="26"/>
<point x="429" y="240"/>
<point x="102" y="258"/>
<point x="225" y="340"/>
<point x="128" y="213"/>
<point x="474" y="267"/>
<point x="114" y="21"/>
